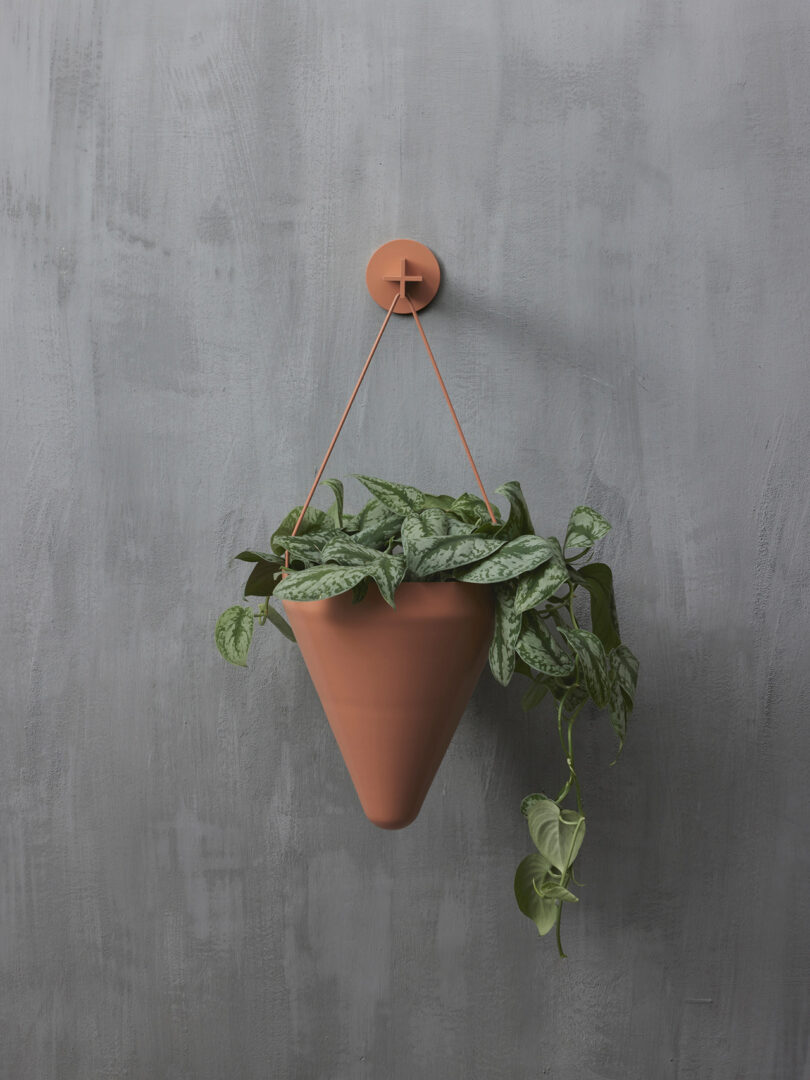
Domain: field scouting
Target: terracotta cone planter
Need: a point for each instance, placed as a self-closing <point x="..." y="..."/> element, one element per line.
<point x="394" y="682"/>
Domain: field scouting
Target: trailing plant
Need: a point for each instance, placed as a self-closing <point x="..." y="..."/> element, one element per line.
<point x="403" y="534"/>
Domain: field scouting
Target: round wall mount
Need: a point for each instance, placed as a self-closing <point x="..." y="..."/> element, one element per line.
<point x="400" y="266"/>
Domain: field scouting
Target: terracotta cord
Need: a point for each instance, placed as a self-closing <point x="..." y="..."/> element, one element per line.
<point x="328" y="454"/>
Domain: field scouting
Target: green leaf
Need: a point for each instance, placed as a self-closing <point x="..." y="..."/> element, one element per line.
<point x="540" y="650"/>
<point x="388" y="571"/>
<point x="280" y="623"/>
<point x="592" y="661"/>
<point x="584" y="527"/>
<point x="557" y="834"/>
<point x="540" y="584"/>
<point x="512" y="559"/>
<point x="505" y="634"/>
<point x="618" y="711"/>
<point x="374" y="525"/>
<point x="259" y="556"/>
<point x="346" y="551"/>
<point x="435" y="554"/>
<point x="473" y="509"/>
<point x="542" y="912"/>
<point x="397" y="497"/>
<point x="624" y="667"/>
<point x="529" y="801"/>
<point x="553" y="890"/>
<point x="597" y="578"/>
<point x="519" y="521"/>
<point x="263" y="579"/>
<point x="443" y="502"/>
<point x="233" y="634"/>
<point x="359" y="591"/>
<point x="335" y="511"/>
<point x="314" y="520"/>
<point x="320" y="582"/>
<point x="308" y="548"/>
<point x="535" y="694"/>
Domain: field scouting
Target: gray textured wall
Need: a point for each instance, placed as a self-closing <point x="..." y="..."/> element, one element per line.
<point x="190" y="189"/>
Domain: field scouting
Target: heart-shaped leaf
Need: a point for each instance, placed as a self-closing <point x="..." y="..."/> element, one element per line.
<point x="539" y="585"/>
<point x="374" y="525"/>
<point x="557" y="834"/>
<point x="320" y="582"/>
<point x="505" y="634"/>
<point x="512" y="559"/>
<point x="233" y="634"/>
<point x="585" y="526"/>
<point x="529" y="875"/>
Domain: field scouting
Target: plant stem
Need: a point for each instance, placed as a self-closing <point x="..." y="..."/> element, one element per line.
<point x="563" y="955"/>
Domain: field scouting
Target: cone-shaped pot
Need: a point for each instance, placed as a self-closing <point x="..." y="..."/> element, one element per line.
<point x="394" y="682"/>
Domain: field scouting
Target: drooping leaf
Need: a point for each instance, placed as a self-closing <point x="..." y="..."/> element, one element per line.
<point x="529" y="800"/>
<point x="400" y="498"/>
<point x="346" y="551"/>
<point x="592" y="661"/>
<point x="542" y="912"/>
<point x="557" y="834"/>
<point x="473" y="509"/>
<point x="307" y="548"/>
<point x="263" y="579"/>
<point x="512" y="559"/>
<point x="436" y="554"/>
<point x="359" y="591"/>
<point x="597" y="578"/>
<point x="259" y="556"/>
<point x="617" y="706"/>
<point x="542" y="651"/>
<point x="535" y="694"/>
<point x="624" y="667"/>
<point x="313" y="521"/>
<point x="335" y="511"/>
<point x="585" y="526"/>
<point x="519" y="521"/>
<point x="387" y="571"/>
<point x="374" y="525"/>
<point x="320" y="582"/>
<point x="541" y="584"/>
<point x="553" y="890"/>
<point x="505" y="634"/>
<point x="233" y="634"/>
<point x="280" y="623"/>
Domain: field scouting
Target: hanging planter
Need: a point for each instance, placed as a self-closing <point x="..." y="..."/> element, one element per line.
<point x="396" y="609"/>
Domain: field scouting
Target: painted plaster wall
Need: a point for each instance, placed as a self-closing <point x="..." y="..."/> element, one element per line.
<point x="619" y="195"/>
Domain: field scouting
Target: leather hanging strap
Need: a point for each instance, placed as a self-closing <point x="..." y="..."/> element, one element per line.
<point x="342" y="421"/>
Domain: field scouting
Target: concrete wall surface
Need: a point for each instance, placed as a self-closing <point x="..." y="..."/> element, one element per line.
<point x="619" y="194"/>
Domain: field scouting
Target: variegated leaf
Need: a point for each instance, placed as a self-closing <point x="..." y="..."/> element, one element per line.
<point x="592" y="662"/>
<point x="320" y="582"/>
<point x="529" y="875"/>
<point x="519" y="521"/>
<point x="618" y="710"/>
<point x="233" y="634"/>
<point x="436" y="554"/>
<point x="400" y="498"/>
<point x="540" y="584"/>
<point x="540" y="650"/>
<point x="512" y="559"/>
<point x="374" y="525"/>
<point x="557" y="834"/>
<point x="505" y="634"/>
<point x="308" y="548"/>
<point x="472" y="509"/>
<point x="624" y="666"/>
<point x="346" y="551"/>
<point x="314" y="520"/>
<point x="335" y="511"/>
<point x="585" y="526"/>
<point x="443" y="502"/>
<point x="388" y="571"/>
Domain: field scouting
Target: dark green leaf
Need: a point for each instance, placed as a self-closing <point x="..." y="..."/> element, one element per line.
<point x="535" y="694"/>
<point x="280" y="623"/>
<point x="259" y="556"/>
<point x="374" y="525"/>
<point x="624" y="666"/>
<point x="618" y="711"/>
<point x="314" y="520"/>
<point x="519" y="521"/>
<point x="597" y="578"/>
<point x="233" y="634"/>
<point x="263" y="579"/>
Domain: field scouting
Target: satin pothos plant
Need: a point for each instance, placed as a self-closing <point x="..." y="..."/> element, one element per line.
<point x="403" y="534"/>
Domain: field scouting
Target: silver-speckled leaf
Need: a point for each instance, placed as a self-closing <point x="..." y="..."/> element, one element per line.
<point x="388" y="571"/>
<point x="542" y="651"/>
<point x="347" y="552"/>
<point x="374" y="524"/>
<point x="436" y="554"/>
<point x="624" y="667"/>
<point x="540" y="584"/>
<point x="618" y="710"/>
<point x="592" y="662"/>
<point x="397" y="497"/>
<point x="233" y="634"/>
<point x="335" y="511"/>
<point x="505" y="634"/>
<point x="584" y="527"/>
<point x="320" y="582"/>
<point x="511" y="560"/>
<point x="314" y="520"/>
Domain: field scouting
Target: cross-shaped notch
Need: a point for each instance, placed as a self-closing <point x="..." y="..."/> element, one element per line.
<point x="402" y="278"/>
